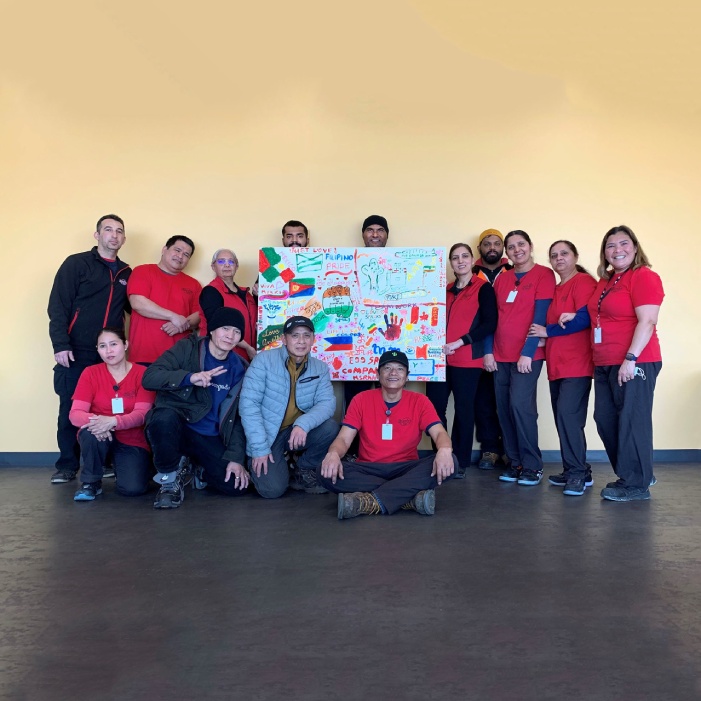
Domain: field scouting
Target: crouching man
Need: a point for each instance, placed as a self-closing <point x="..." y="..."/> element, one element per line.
<point x="197" y="384"/>
<point x="388" y="474"/>
<point x="287" y="405"/>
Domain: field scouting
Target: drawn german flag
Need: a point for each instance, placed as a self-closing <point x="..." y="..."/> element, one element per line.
<point x="339" y="343"/>
<point x="302" y="287"/>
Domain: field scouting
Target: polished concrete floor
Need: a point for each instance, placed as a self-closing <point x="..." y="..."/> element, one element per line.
<point x="507" y="593"/>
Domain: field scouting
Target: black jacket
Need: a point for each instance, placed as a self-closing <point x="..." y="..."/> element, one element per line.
<point x="85" y="297"/>
<point x="192" y="403"/>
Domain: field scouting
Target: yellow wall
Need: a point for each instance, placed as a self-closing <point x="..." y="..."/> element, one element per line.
<point x="221" y="121"/>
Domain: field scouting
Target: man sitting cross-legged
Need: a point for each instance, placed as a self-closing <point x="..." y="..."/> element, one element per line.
<point x="388" y="474"/>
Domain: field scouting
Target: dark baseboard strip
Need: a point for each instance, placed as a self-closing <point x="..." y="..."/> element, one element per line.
<point x="689" y="455"/>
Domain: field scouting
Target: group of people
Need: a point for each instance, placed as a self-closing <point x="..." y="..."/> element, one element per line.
<point x="189" y="398"/>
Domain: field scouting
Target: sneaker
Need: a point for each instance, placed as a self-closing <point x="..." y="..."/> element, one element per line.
<point x="424" y="502"/>
<point x="88" y="491"/>
<point x="574" y="488"/>
<point x="653" y="481"/>
<point x="186" y="471"/>
<point x="306" y="481"/>
<point x="108" y="473"/>
<point x="561" y="479"/>
<point x="170" y="495"/>
<point x="625" y="493"/>
<point x="356" y="504"/>
<point x="511" y="474"/>
<point x="530" y="477"/>
<point x="62" y="476"/>
<point x="460" y="473"/>
<point x="198" y="480"/>
<point x="488" y="461"/>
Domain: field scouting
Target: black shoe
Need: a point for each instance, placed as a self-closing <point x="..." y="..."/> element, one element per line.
<point x="424" y="502"/>
<point x="460" y="473"/>
<point x="306" y="481"/>
<point x="170" y="495"/>
<point x="488" y="461"/>
<point x="108" y="473"/>
<point x="88" y="491"/>
<point x="511" y="474"/>
<point x="574" y="488"/>
<point x="530" y="477"/>
<point x="613" y="485"/>
<point x="625" y="493"/>
<point x="558" y="480"/>
<point x="653" y="481"/>
<point x="63" y="476"/>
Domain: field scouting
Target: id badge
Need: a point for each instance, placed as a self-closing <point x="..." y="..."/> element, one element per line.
<point x="597" y="334"/>
<point x="117" y="405"/>
<point x="512" y="296"/>
<point x="386" y="432"/>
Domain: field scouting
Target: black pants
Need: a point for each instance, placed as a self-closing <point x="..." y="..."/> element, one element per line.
<point x="350" y="389"/>
<point x="170" y="438"/>
<point x="518" y="413"/>
<point x="65" y="382"/>
<point x="462" y="382"/>
<point x="569" y="397"/>
<point x="132" y="465"/>
<point x="487" y="428"/>
<point x="393" y="484"/>
<point x="623" y="417"/>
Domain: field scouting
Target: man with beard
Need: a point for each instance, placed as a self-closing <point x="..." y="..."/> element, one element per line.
<point x="489" y="266"/>
<point x="296" y="234"/>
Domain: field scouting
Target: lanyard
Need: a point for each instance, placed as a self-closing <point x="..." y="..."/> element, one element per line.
<point x="605" y="291"/>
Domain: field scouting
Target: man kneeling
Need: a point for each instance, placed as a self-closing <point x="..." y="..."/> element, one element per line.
<point x="388" y="474"/>
<point x="197" y="383"/>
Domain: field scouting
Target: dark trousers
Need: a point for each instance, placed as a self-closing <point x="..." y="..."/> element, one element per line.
<point x="393" y="484"/>
<point x="487" y="428"/>
<point x="170" y="438"/>
<point x="623" y="417"/>
<point x="462" y="382"/>
<point x="569" y="397"/>
<point x="65" y="382"/>
<point x="275" y="483"/>
<point x="518" y="414"/>
<point x="132" y="465"/>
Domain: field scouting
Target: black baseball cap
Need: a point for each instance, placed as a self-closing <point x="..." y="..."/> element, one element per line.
<point x="393" y="356"/>
<point x="294" y="321"/>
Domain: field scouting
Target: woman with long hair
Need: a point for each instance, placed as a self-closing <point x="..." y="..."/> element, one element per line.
<point x="109" y="407"/>
<point x="568" y="359"/>
<point x="523" y="296"/>
<point x="471" y="312"/>
<point x="624" y="310"/>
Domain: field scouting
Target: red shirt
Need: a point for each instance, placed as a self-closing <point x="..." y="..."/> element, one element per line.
<point x="180" y="293"/>
<point x="410" y="417"/>
<point x="249" y="311"/>
<point x="618" y="320"/>
<point x="515" y="318"/>
<point x="570" y="356"/>
<point x="96" y="387"/>
<point x="460" y="311"/>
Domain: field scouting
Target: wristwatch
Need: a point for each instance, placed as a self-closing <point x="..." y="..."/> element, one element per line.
<point x="630" y="356"/>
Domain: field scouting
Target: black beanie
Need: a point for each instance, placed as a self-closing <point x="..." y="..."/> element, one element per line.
<point x="226" y="316"/>
<point x="374" y="219"/>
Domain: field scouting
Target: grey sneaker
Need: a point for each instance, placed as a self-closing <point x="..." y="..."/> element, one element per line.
<point x="170" y="495"/>
<point x="625" y="493"/>
<point x="306" y="481"/>
<point x="62" y="476"/>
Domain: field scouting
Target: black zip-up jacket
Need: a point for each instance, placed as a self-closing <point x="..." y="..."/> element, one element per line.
<point x="86" y="296"/>
<point x="165" y="375"/>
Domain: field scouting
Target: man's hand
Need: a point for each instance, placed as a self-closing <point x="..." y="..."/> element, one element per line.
<point x="241" y="476"/>
<point x="298" y="438"/>
<point x="250" y="350"/>
<point x="64" y="358"/>
<point x="450" y="348"/>
<point x="204" y="378"/>
<point x="538" y="331"/>
<point x="565" y="317"/>
<point x="332" y="467"/>
<point x="524" y="364"/>
<point x="443" y="465"/>
<point x="177" y="324"/>
<point x="101" y="425"/>
<point x="490" y="365"/>
<point x="261" y="463"/>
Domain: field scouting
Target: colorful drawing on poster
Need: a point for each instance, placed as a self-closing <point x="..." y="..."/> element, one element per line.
<point x="362" y="302"/>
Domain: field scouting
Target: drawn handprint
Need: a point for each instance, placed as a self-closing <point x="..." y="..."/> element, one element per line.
<point x="394" y="329"/>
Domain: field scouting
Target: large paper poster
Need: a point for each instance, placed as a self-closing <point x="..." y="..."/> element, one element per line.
<point x="362" y="301"/>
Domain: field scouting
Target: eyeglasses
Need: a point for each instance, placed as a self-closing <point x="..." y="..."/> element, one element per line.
<point x="224" y="261"/>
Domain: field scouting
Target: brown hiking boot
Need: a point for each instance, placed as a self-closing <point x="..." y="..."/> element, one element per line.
<point x="424" y="502"/>
<point x="356" y="504"/>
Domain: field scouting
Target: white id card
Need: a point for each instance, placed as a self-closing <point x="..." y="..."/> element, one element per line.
<point x="597" y="334"/>
<point x="117" y="405"/>
<point x="512" y="296"/>
<point x="386" y="432"/>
